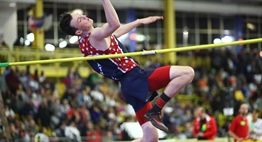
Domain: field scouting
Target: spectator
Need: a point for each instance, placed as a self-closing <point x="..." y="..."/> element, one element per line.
<point x="77" y="73"/>
<point x="65" y="107"/>
<point x="35" y="75"/>
<point x="33" y="84"/>
<point x="24" y="95"/>
<point x="84" y="115"/>
<point x="205" y="127"/>
<point x="239" y="126"/>
<point x="92" y="134"/>
<point x="96" y="94"/>
<point x="44" y="114"/>
<point x="22" y="133"/>
<point x="32" y="127"/>
<point x="42" y="77"/>
<point x="69" y="78"/>
<point x="23" y="78"/>
<point x="188" y="130"/>
<point x="14" y="132"/>
<point x="27" y="71"/>
<point x="9" y="112"/>
<point x="12" y="81"/>
<point x="3" y="85"/>
<point x="255" y="126"/>
<point x="83" y="97"/>
<point x="7" y="71"/>
<point x="72" y="132"/>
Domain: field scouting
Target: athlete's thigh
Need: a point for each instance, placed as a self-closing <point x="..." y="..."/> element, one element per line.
<point x="176" y="71"/>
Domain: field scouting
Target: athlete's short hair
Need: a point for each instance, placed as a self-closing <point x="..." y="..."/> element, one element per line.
<point x="64" y="24"/>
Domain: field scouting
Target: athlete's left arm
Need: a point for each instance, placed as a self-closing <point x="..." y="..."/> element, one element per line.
<point x="123" y="29"/>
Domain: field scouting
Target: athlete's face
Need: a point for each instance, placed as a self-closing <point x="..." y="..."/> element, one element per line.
<point x="81" y="22"/>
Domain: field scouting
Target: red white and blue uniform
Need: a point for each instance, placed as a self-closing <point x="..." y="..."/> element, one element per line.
<point x="112" y="68"/>
<point x="135" y="82"/>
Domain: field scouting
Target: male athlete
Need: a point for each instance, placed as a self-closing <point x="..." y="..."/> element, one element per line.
<point x="136" y="83"/>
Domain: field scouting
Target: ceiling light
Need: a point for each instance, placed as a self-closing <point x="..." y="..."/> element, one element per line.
<point x="12" y="4"/>
<point x="73" y="39"/>
<point x="217" y="40"/>
<point x="27" y="42"/>
<point x="62" y="44"/>
<point x="49" y="47"/>
<point x="30" y="37"/>
<point x="226" y="39"/>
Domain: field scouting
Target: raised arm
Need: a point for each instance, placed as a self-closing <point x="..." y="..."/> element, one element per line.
<point x="128" y="27"/>
<point x="112" y="24"/>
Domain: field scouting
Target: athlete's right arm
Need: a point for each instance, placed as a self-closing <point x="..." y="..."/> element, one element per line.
<point x="112" y="24"/>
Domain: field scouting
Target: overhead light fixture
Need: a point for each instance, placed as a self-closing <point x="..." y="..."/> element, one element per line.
<point x="185" y="33"/>
<point x="217" y="40"/>
<point x="12" y="4"/>
<point x="251" y="26"/>
<point x="62" y="44"/>
<point x="226" y="32"/>
<point x="140" y="37"/>
<point x="49" y="47"/>
<point x="27" y="42"/>
<point x="73" y="39"/>
<point x="30" y="37"/>
<point x="226" y="39"/>
<point x="78" y="11"/>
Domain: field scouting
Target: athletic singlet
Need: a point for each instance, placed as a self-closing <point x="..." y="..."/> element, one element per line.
<point x="112" y="68"/>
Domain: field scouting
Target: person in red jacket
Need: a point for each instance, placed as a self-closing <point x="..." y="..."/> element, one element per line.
<point x="205" y="127"/>
<point x="239" y="126"/>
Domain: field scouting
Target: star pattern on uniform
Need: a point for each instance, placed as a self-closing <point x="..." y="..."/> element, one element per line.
<point x="124" y="63"/>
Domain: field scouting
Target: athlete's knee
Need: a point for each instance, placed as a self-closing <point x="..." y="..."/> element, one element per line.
<point x="186" y="72"/>
<point x="189" y="73"/>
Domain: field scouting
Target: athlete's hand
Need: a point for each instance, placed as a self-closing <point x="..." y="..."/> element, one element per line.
<point x="150" y="19"/>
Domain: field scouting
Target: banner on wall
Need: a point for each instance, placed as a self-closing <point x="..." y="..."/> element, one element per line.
<point x="36" y="23"/>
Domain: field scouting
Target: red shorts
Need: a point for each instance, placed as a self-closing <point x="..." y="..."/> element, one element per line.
<point x="159" y="78"/>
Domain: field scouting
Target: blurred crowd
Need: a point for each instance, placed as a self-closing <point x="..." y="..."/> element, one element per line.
<point x="92" y="107"/>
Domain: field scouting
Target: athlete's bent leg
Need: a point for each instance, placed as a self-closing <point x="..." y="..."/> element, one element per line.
<point x="179" y="77"/>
